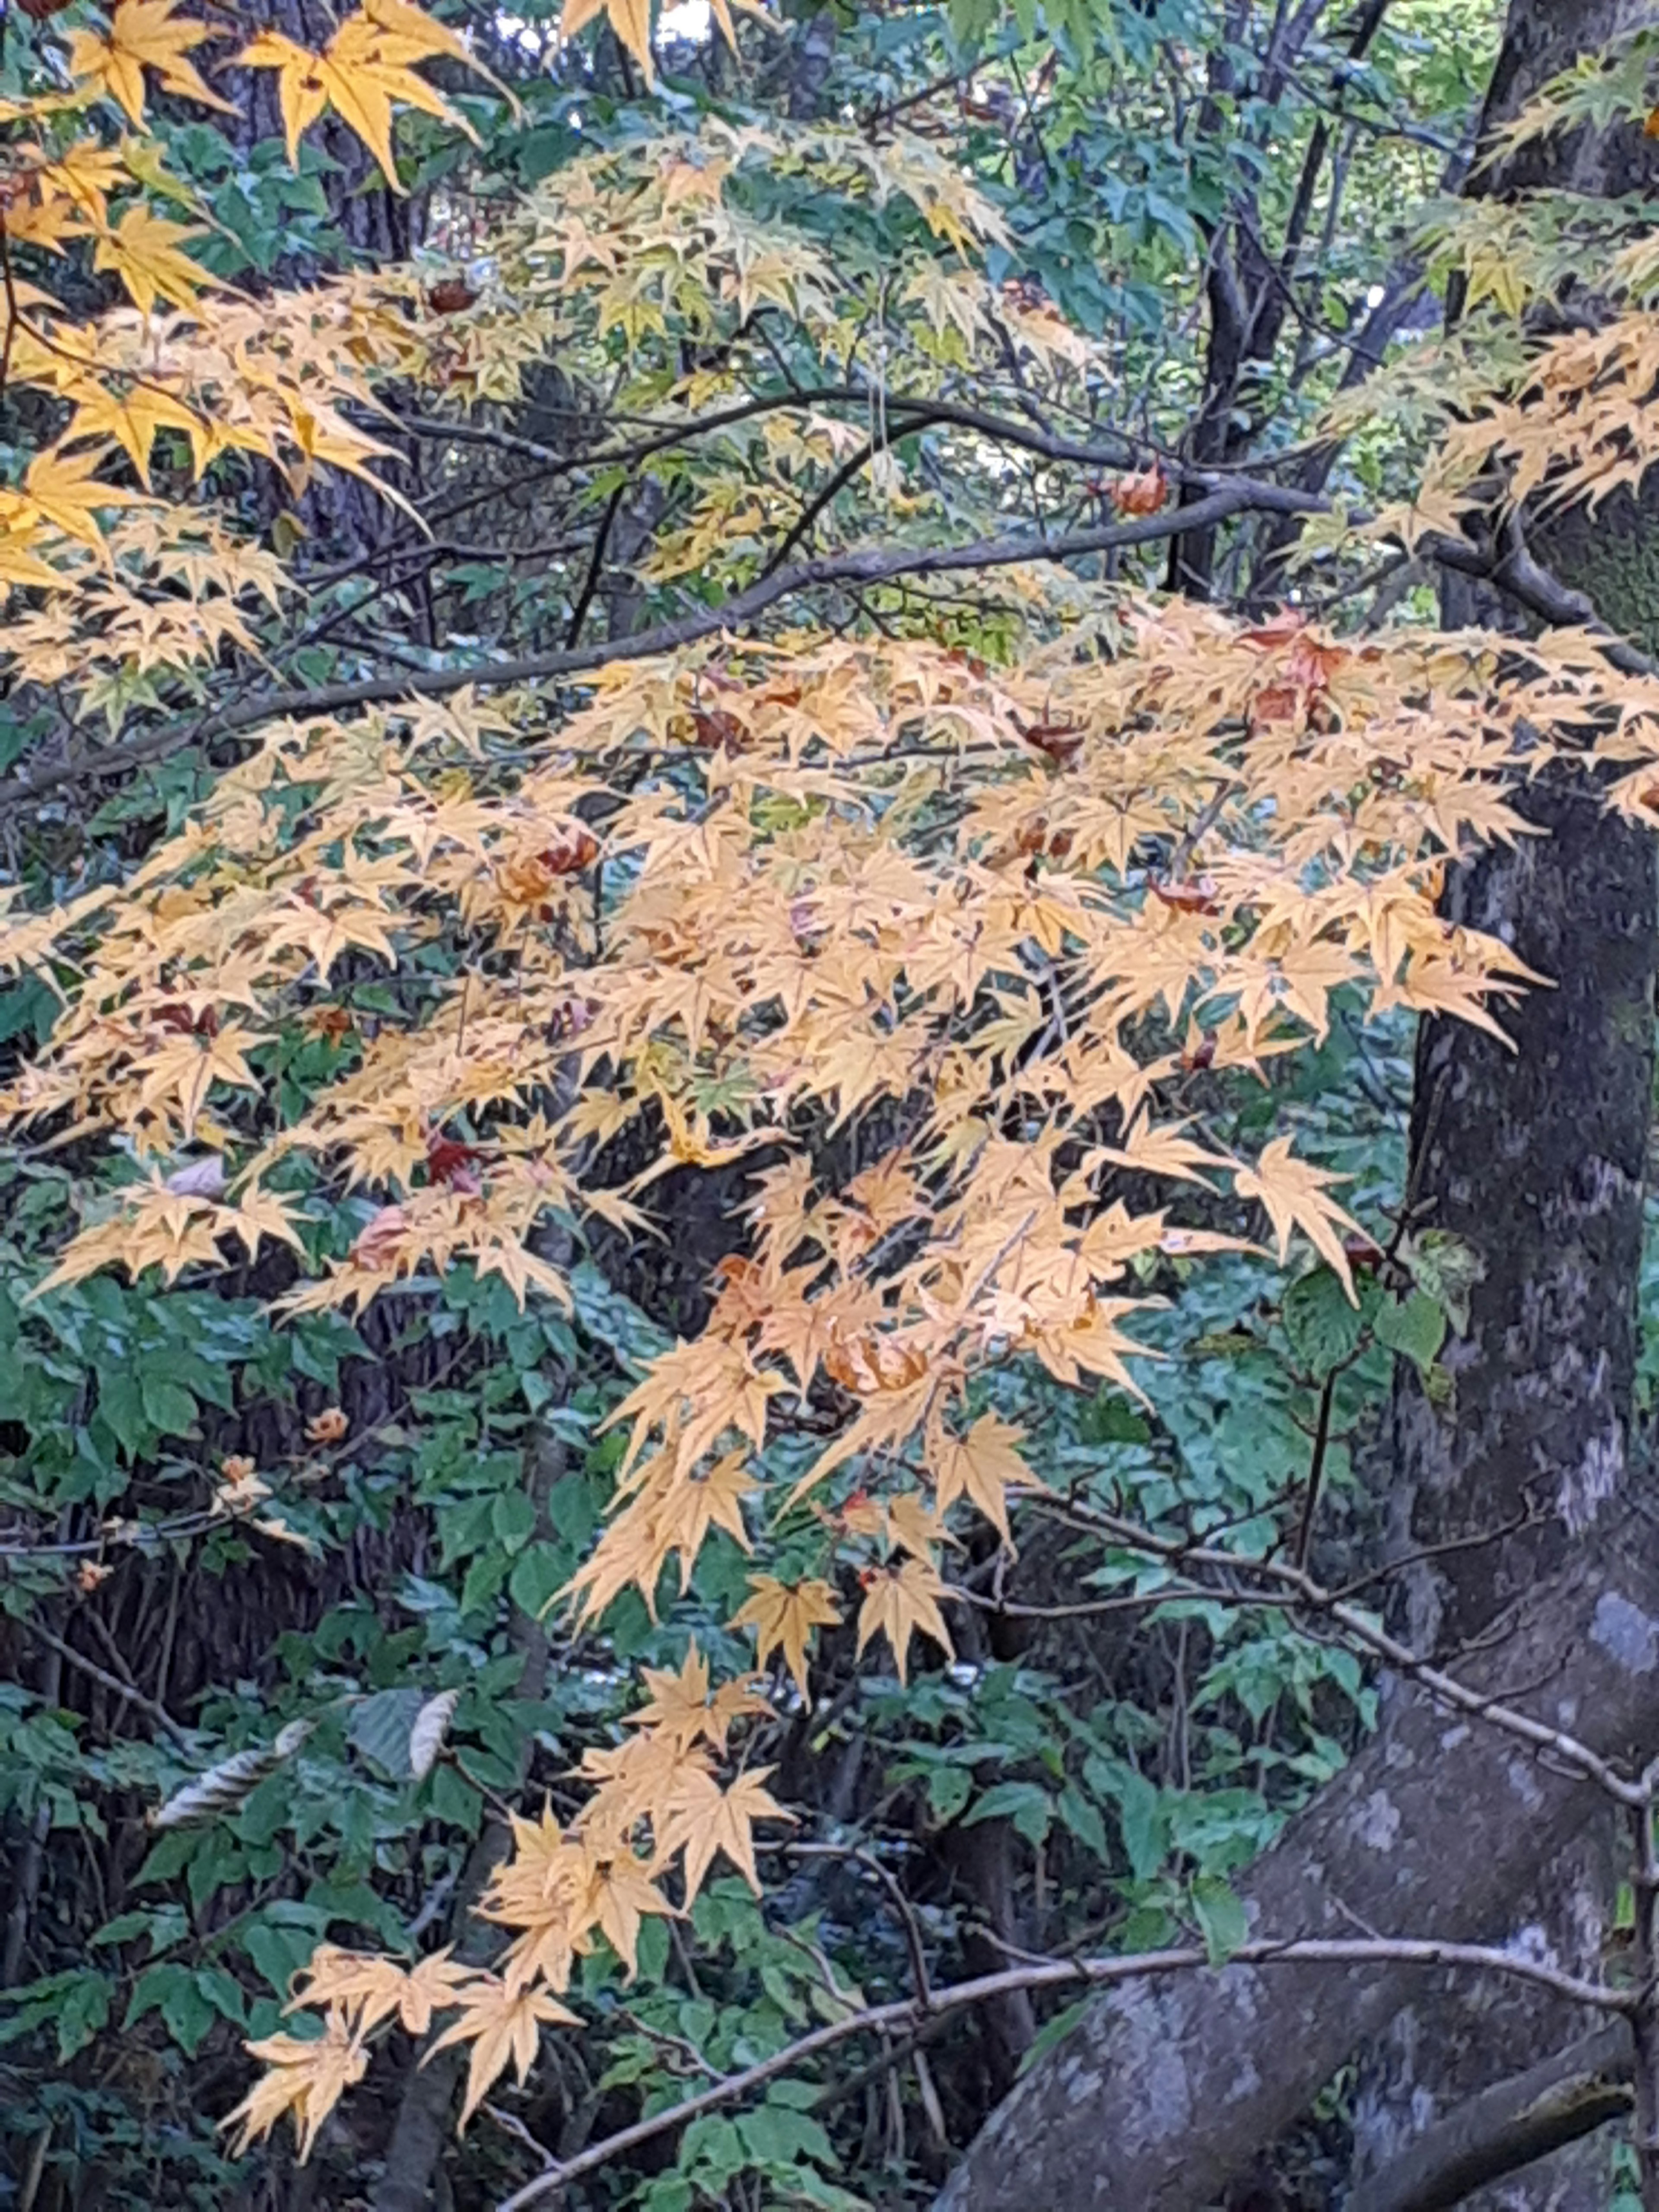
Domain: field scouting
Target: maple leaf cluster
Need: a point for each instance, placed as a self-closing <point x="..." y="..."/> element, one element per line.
<point x="556" y="1892"/>
<point x="729" y="901"/>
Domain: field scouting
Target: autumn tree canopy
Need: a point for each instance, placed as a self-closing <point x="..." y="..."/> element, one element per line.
<point x="739" y="757"/>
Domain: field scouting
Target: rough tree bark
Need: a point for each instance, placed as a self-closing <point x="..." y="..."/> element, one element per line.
<point x="343" y="514"/>
<point x="1541" y="1418"/>
<point x="1539" y="1423"/>
<point x="1513" y="2124"/>
<point x="1535" y="1158"/>
<point x="1250" y="290"/>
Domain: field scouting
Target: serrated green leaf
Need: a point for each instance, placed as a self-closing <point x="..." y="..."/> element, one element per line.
<point x="539" y="1574"/>
<point x="122" y="1408"/>
<point x="512" y="1519"/>
<point x="168" y="1407"/>
<point x="1142" y="1821"/>
<point x="83" y="2014"/>
<point x="1026" y="1804"/>
<point x="171" y="1990"/>
<point x="773" y="2135"/>
<point x="1084" y="1821"/>
<point x="949" y="1789"/>
<point x="712" y="2148"/>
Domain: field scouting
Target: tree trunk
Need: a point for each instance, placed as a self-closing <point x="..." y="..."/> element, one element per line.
<point x="1508" y="2127"/>
<point x="344" y="516"/>
<point x="1539" y="1422"/>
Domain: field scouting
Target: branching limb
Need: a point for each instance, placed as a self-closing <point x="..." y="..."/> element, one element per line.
<point x="1508" y="2127"/>
<point x="905" y="2014"/>
<point x="1514" y="572"/>
<point x="1362" y="1629"/>
<point x="125" y="1690"/>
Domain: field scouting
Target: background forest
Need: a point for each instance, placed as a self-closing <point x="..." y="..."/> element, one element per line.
<point x="826" y="1029"/>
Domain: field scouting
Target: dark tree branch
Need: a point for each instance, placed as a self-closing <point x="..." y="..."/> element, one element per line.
<point x="595" y="566"/>
<point x="1513" y="571"/>
<point x="127" y="1692"/>
<point x="872" y="565"/>
<point x="1159" y="2072"/>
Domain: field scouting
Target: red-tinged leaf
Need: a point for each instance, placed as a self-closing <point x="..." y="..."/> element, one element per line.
<point x="1142" y="492"/>
<point x="1194" y="895"/>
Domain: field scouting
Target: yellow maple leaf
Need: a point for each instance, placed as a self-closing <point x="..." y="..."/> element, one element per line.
<point x="897" y="1601"/>
<point x="618" y="1895"/>
<point x="783" y="1616"/>
<point x="636" y="1781"/>
<point x="410" y="34"/>
<point x="1159" y="1148"/>
<point x="19" y="566"/>
<point x="144" y="34"/>
<point x="158" y="1230"/>
<point x="183" y="1069"/>
<point x="300" y="93"/>
<point x="680" y="1709"/>
<point x="307" y="2080"/>
<point x="705" y="1499"/>
<point x="629" y="19"/>
<point x="258" y="1213"/>
<point x="915" y="1525"/>
<point x="362" y="87"/>
<point x="721" y="10"/>
<point x="61" y="489"/>
<point x="142" y="250"/>
<point x="882" y="1426"/>
<point x="428" y="1987"/>
<point x="500" y="2023"/>
<point x="85" y="174"/>
<point x="983" y="1467"/>
<point x="703" y="1819"/>
<point x="689" y="1147"/>
<point x="1294" y="1192"/>
<point x="361" y="72"/>
<point x="131" y="418"/>
<point x="368" y="1988"/>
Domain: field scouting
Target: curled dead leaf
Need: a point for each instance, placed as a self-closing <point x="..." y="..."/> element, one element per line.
<point x="381" y="1239"/>
<point x="1142" y="492"/>
<point x="1194" y="896"/>
<point x="431" y="1725"/>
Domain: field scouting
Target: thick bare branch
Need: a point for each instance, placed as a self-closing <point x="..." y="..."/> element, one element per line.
<point x="1508" y="2127"/>
<point x="1514" y="572"/>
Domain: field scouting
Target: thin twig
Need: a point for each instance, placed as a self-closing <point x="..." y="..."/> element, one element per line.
<point x="163" y="1719"/>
